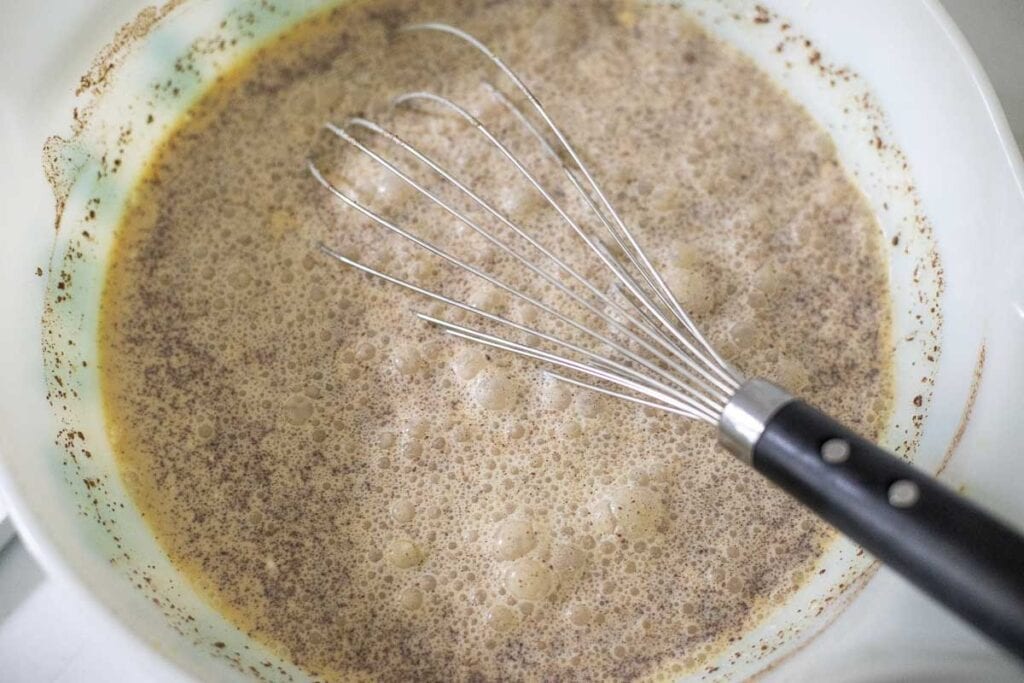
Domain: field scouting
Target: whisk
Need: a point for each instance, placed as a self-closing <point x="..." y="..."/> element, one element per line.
<point x="637" y="343"/>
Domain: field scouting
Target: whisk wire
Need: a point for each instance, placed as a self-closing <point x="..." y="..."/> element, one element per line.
<point x="663" y="357"/>
<point x="638" y="381"/>
<point x="694" y="358"/>
<point x="690" y="394"/>
<point x="524" y="120"/>
<point x="719" y="366"/>
<point x="539" y="354"/>
<point x="571" y="176"/>
<point x="625" y="397"/>
<point x="701" y="382"/>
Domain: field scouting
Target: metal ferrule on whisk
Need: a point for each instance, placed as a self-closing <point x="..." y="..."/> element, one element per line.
<point x="745" y="416"/>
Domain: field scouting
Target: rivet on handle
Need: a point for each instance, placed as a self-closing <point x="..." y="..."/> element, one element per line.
<point x="903" y="493"/>
<point x="835" y="451"/>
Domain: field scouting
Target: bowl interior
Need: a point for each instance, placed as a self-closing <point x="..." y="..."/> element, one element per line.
<point x="69" y="496"/>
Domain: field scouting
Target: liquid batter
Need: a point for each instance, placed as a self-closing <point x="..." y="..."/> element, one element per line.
<point x="376" y="500"/>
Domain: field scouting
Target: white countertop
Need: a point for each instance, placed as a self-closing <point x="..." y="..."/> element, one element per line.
<point x="47" y="633"/>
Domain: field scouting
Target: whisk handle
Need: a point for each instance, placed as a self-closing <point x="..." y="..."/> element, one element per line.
<point x="946" y="545"/>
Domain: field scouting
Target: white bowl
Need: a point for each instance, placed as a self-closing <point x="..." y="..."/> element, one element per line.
<point x="918" y="125"/>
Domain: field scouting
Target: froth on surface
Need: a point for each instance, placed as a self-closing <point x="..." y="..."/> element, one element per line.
<point x="376" y="500"/>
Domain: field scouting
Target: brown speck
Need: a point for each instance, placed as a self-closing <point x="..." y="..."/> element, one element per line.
<point x="918" y="400"/>
<point x="39" y="272"/>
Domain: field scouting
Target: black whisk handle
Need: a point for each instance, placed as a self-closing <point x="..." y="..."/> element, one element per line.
<point x="959" y="554"/>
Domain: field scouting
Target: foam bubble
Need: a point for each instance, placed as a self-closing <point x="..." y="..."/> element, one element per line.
<point x="555" y="395"/>
<point x="411" y="599"/>
<point x="696" y="292"/>
<point x="298" y="409"/>
<point x="792" y="375"/>
<point x="590" y="404"/>
<point x="365" y="351"/>
<point x="634" y="511"/>
<point x="408" y="360"/>
<point x="205" y="431"/>
<point x="487" y="297"/>
<point x="493" y="390"/>
<point x="468" y="363"/>
<point x="568" y="560"/>
<point x="579" y="615"/>
<point x="570" y="429"/>
<point x="404" y="554"/>
<point x="402" y="511"/>
<point x="520" y="200"/>
<point x="513" y="539"/>
<point x="239" y="278"/>
<point x="416" y="428"/>
<point x="501" y="618"/>
<point x="528" y="579"/>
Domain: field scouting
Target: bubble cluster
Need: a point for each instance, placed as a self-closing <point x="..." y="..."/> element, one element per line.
<point x="379" y="499"/>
